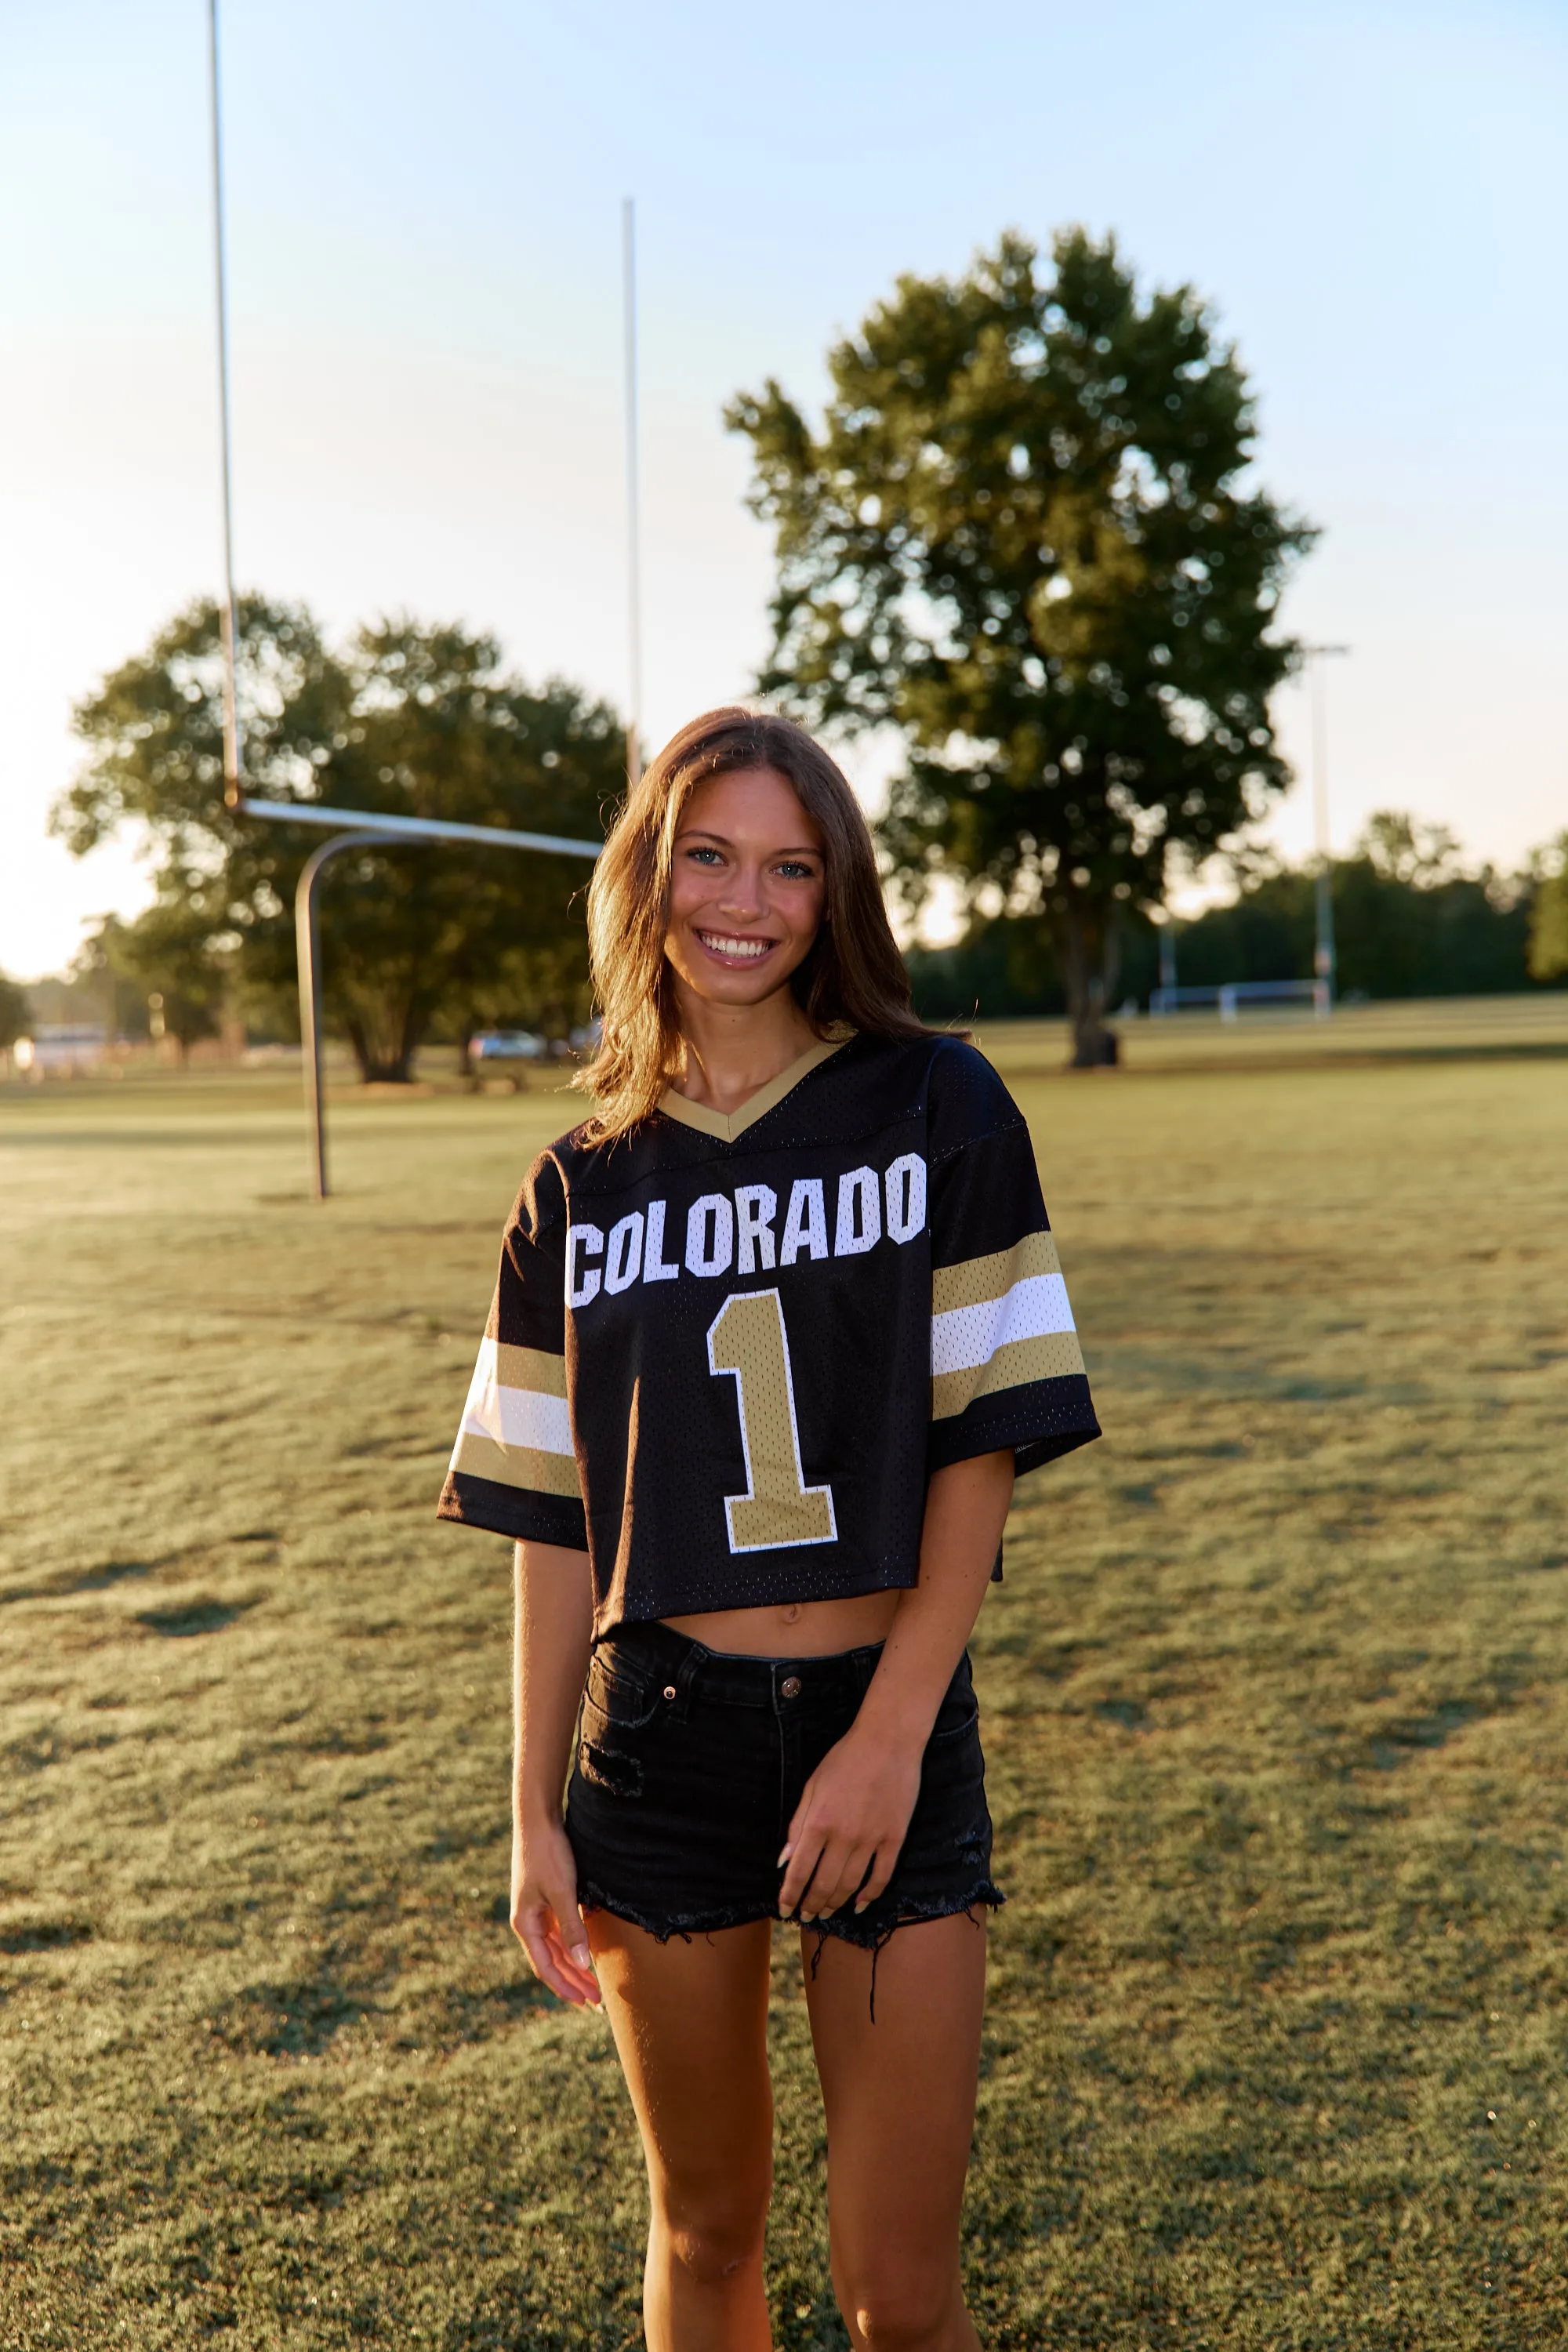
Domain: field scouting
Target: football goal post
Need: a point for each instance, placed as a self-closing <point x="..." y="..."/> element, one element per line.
<point x="1234" y="994"/>
<point x="361" y="829"/>
<point x="351" y="828"/>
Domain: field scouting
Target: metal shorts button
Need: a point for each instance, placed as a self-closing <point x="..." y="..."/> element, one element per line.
<point x="669" y="1690"/>
<point x="790" y="1687"/>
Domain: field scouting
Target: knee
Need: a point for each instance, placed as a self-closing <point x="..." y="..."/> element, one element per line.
<point x="715" y="2243"/>
<point x="904" y="2314"/>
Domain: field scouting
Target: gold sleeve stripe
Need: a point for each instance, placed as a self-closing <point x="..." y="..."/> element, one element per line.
<point x="979" y="1279"/>
<point x="1051" y="1356"/>
<point x="530" y="1367"/>
<point x="516" y="1465"/>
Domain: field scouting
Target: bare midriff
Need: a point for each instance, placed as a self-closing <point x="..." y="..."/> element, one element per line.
<point x="795" y="1629"/>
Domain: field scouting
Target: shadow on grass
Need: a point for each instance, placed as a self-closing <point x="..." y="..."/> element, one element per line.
<point x="36" y="1750"/>
<point x="1129" y="1713"/>
<point x="105" y="1576"/>
<point x="44" y="1936"/>
<point x="298" y="2018"/>
<point x="301" y="2017"/>
<point x="1394" y="1743"/>
<point x="195" y="1617"/>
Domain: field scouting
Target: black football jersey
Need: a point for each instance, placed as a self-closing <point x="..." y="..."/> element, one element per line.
<point x="726" y="1353"/>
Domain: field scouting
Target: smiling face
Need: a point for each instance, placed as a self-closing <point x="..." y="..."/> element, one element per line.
<point x="746" y="887"/>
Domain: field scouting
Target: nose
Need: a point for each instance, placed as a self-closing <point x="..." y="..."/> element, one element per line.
<point x="743" y="896"/>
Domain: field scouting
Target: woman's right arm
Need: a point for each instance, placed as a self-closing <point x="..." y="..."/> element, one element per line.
<point x="552" y="1643"/>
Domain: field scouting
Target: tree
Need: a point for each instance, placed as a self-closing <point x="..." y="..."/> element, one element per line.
<point x="1549" y="916"/>
<point x="176" y="950"/>
<point x="1021" y="536"/>
<point x="1411" y="922"/>
<point x="1401" y="848"/>
<point x="413" y="720"/>
<point x="1004" y="968"/>
<point x="16" y="1016"/>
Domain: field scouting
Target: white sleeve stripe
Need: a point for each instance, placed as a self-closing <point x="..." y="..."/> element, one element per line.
<point x="509" y="1416"/>
<point x="969" y="1336"/>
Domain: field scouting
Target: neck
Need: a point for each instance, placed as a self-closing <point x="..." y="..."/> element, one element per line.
<point x="732" y="1050"/>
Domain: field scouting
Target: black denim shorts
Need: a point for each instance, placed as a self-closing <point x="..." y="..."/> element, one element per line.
<point x="690" y="1763"/>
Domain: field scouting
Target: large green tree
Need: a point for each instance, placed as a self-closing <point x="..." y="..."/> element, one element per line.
<point x="1023" y="534"/>
<point x="415" y="721"/>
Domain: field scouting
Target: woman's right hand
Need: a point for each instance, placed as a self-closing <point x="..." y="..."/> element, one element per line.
<point x="545" y="1918"/>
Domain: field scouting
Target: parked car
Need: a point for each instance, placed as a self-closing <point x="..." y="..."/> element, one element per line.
<point x="491" y="1045"/>
<point x="498" y="1057"/>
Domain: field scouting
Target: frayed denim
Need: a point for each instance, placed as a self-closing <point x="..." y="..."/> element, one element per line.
<point x="690" y="1763"/>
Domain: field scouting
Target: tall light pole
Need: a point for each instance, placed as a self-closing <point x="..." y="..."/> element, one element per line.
<point x="226" y="623"/>
<point x="634" y="553"/>
<point x="1323" y="956"/>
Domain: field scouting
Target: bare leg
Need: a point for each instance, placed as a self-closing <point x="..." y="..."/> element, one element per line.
<point x="899" y="2097"/>
<point x="690" y="2024"/>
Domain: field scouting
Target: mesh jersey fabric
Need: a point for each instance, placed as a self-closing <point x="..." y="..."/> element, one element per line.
<point x="724" y="1355"/>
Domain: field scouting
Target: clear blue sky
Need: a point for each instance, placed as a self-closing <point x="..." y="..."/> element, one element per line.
<point x="425" y="223"/>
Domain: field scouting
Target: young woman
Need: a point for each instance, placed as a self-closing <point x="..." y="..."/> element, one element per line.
<point x="773" y="1332"/>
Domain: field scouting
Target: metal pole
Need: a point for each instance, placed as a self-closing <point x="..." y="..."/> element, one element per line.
<point x="388" y="832"/>
<point x="415" y="828"/>
<point x="634" y="557"/>
<point x="227" y="626"/>
<point x="1323" y="956"/>
<point x="1323" y="959"/>
<point x="305" y="943"/>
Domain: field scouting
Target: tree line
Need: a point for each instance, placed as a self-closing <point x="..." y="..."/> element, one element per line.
<point x="1023" y="539"/>
<point x="1410" y="919"/>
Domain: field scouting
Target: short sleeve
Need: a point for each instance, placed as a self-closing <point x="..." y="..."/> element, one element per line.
<point x="1006" y="1368"/>
<point x="513" y="1468"/>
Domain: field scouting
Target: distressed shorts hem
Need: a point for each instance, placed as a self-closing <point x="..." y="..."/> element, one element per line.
<point x="867" y="1934"/>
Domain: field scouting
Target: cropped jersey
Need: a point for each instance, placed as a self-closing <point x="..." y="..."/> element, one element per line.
<point x="725" y="1354"/>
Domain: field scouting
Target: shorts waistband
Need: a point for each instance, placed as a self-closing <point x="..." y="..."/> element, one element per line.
<point x="659" y="1653"/>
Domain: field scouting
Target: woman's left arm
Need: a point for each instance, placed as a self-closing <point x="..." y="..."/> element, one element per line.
<point x="855" y="1807"/>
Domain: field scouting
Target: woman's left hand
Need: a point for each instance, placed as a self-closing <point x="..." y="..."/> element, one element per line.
<point x="850" y="1821"/>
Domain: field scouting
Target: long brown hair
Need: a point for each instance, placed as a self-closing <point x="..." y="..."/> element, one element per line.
<point x="853" y="975"/>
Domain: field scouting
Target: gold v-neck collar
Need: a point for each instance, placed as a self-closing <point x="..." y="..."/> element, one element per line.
<point x="724" y="1128"/>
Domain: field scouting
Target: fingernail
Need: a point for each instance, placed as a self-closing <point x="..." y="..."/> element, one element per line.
<point x="582" y="1956"/>
<point x="783" y="1858"/>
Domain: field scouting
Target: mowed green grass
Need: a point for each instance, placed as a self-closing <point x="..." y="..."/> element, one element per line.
<point x="1276" y="1702"/>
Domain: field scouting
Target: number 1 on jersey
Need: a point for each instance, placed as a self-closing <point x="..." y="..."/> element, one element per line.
<point x="747" y="1340"/>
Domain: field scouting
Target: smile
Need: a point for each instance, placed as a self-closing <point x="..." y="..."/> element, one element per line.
<point x="734" y="948"/>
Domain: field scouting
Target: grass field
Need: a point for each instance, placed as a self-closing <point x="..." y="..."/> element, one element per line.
<point x="1276" y="1702"/>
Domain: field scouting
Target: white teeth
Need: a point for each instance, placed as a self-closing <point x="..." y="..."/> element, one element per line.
<point x="721" y="945"/>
